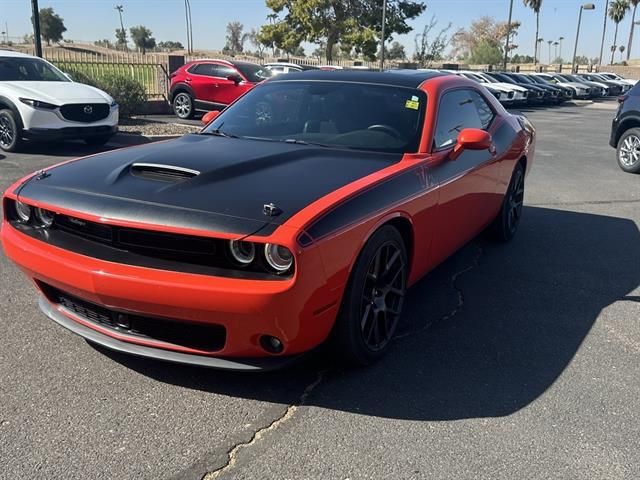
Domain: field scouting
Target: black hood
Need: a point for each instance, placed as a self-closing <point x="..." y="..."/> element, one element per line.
<point x="204" y="182"/>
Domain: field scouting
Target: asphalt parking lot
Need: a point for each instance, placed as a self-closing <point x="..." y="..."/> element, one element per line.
<point x="514" y="361"/>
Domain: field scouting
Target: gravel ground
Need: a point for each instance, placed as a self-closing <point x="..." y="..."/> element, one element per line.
<point x="147" y="127"/>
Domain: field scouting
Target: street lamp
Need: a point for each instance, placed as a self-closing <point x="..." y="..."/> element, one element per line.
<point x="384" y="20"/>
<point x="506" y="44"/>
<point x="604" y="30"/>
<point x="586" y="6"/>
<point x="633" y="27"/>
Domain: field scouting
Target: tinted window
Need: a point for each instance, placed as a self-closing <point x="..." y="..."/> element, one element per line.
<point x="458" y="110"/>
<point x="29" y="70"/>
<point x="484" y="110"/>
<point x="254" y="73"/>
<point x="347" y="115"/>
<point x="212" y="70"/>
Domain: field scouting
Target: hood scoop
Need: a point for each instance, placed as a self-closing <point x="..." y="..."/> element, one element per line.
<point x="162" y="173"/>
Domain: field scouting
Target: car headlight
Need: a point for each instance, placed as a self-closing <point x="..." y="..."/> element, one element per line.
<point x="44" y="218"/>
<point x="242" y="252"/>
<point x="113" y="104"/>
<point x="38" y="104"/>
<point x="23" y="211"/>
<point x="278" y="257"/>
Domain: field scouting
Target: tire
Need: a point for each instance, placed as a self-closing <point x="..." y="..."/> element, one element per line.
<point x="183" y="105"/>
<point x="97" y="141"/>
<point x="10" y="131"/>
<point x="628" y="151"/>
<point x="373" y="300"/>
<point x="505" y="226"/>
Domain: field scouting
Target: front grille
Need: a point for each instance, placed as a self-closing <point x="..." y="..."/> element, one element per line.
<point x="149" y="242"/>
<point x="207" y="338"/>
<point x="85" y="112"/>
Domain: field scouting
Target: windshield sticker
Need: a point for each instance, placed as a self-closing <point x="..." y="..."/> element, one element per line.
<point x="413" y="103"/>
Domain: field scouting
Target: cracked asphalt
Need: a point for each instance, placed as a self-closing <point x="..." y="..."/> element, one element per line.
<point x="514" y="361"/>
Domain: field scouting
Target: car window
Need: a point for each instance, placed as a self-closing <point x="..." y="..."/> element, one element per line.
<point x="253" y="72"/>
<point x="27" y="69"/>
<point x="212" y="70"/>
<point x="338" y="114"/>
<point x="458" y="110"/>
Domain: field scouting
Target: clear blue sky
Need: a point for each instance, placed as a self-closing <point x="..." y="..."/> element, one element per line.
<point x="97" y="19"/>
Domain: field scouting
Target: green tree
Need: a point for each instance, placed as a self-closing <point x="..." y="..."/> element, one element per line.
<point x="281" y="36"/>
<point x="582" y="60"/>
<point x="354" y="24"/>
<point x="236" y="38"/>
<point x="633" y="21"/>
<point x="617" y="10"/>
<point x="486" y="52"/>
<point x="142" y="38"/>
<point x="535" y="5"/>
<point x="121" y="38"/>
<point x="396" y="52"/>
<point x="170" y="45"/>
<point x="51" y="25"/>
<point x="103" y="43"/>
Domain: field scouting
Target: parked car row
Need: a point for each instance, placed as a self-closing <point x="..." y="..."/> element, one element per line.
<point x="547" y="88"/>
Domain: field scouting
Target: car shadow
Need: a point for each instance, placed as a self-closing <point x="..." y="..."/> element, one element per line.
<point x="63" y="149"/>
<point x="484" y="335"/>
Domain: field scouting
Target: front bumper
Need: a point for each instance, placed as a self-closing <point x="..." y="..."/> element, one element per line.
<point x="69" y="133"/>
<point x="300" y="311"/>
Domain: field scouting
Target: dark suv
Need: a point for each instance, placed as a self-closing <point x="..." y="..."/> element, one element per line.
<point x="625" y="131"/>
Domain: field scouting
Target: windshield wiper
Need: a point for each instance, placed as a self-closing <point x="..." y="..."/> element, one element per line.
<point x="304" y="142"/>
<point x="219" y="133"/>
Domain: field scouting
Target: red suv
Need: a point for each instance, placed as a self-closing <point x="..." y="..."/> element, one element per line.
<point x="212" y="84"/>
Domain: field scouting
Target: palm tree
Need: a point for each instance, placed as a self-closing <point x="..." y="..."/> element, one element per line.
<point x="539" y="49"/>
<point x="535" y="5"/>
<point x="621" y="48"/>
<point x="549" y="42"/>
<point x="633" y="25"/>
<point x="617" y="11"/>
<point x="555" y="44"/>
<point x="560" y="41"/>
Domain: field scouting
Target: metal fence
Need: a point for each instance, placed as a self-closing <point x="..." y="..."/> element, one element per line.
<point x="150" y="70"/>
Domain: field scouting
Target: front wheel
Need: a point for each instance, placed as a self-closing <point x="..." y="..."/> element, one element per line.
<point x="373" y="299"/>
<point x="628" y="151"/>
<point x="10" y="140"/>
<point x="506" y="224"/>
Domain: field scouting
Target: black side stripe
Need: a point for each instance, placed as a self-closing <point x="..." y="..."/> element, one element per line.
<point x="402" y="187"/>
<point x="380" y="196"/>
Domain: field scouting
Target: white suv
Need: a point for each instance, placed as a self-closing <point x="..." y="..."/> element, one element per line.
<point x="39" y="102"/>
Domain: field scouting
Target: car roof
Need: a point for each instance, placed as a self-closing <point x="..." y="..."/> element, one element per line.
<point x="11" y="53"/>
<point x="400" y="78"/>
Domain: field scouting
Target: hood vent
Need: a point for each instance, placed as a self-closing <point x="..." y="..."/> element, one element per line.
<point x="162" y="173"/>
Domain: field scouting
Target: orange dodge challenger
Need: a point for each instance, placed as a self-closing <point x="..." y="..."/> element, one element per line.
<point x="299" y="214"/>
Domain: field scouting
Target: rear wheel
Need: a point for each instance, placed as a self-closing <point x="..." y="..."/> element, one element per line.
<point x="629" y="151"/>
<point x="506" y="224"/>
<point x="373" y="300"/>
<point x="10" y="140"/>
<point x="183" y="105"/>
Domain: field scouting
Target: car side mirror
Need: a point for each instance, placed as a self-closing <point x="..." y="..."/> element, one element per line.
<point x="471" y="139"/>
<point x="209" y="117"/>
<point x="235" y="78"/>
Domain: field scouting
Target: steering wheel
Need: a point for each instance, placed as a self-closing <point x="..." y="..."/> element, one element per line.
<point x="386" y="129"/>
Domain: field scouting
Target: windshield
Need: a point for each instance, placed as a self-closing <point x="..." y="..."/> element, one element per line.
<point x="522" y="78"/>
<point x="254" y="73"/>
<point x="536" y="79"/>
<point x="504" y="78"/>
<point x="27" y="69"/>
<point x="336" y="114"/>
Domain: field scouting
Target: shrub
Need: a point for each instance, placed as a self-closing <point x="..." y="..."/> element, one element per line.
<point x="129" y="93"/>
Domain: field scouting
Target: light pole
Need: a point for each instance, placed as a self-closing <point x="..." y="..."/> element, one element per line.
<point x="604" y="31"/>
<point x="36" y="27"/>
<point x="506" y="43"/>
<point x="586" y="6"/>
<point x="187" y="16"/>
<point x="120" y="9"/>
<point x="384" y="21"/>
<point x="633" y="27"/>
